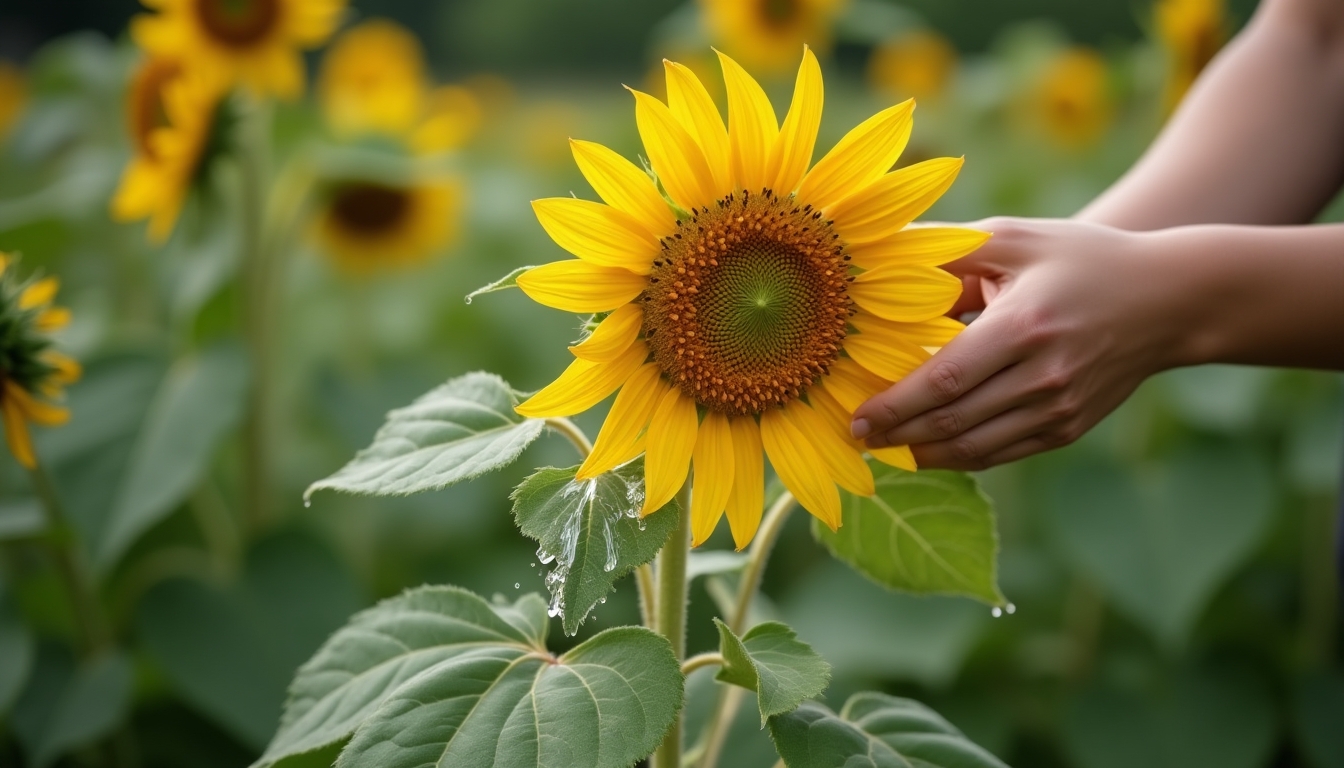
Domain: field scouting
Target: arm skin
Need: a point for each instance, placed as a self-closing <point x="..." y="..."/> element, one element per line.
<point x="1160" y="271"/>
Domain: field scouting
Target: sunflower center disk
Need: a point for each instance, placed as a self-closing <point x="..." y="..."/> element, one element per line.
<point x="748" y="304"/>
<point x="369" y="209"/>
<point x="238" y="23"/>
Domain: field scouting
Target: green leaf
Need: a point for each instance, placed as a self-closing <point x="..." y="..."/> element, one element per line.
<point x="455" y="432"/>
<point x="713" y="562"/>
<point x="930" y="532"/>
<point x="504" y="283"/>
<point x="21" y="519"/>
<point x="592" y="531"/>
<point x="199" y="402"/>
<point x="17" y="650"/>
<point x="770" y="660"/>
<point x="438" y="676"/>
<point x="1318" y="709"/>
<point x="1159" y="539"/>
<point x="66" y="707"/>
<point x="874" y="730"/>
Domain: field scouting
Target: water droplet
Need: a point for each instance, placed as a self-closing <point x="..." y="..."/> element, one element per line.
<point x="516" y="585"/>
<point x="996" y="612"/>
<point x="468" y="299"/>
<point x="602" y="600"/>
<point x="1011" y="609"/>
<point x="307" y="503"/>
<point x="534" y="565"/>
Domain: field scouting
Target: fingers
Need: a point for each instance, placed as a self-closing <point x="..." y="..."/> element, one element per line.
<point x="969" y="359"/>
<point x="1010" y="244"/>
<point x="971" y="299"/>
<point x="1014" y="435"/>
<point x="1011" y="388"/>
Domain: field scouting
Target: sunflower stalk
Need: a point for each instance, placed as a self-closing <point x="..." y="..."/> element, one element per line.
<point x="671" y="612"/>
<point x="90" y="623"/>
<point x="254" y="159"/>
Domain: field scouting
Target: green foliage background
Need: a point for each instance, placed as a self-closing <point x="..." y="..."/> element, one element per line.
<point x="1175" y="594"/>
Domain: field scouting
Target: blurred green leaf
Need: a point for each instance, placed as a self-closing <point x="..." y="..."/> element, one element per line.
<point x="1204" y="718"/>
<point x="439" y="676"/>
<point x="712" y="562"/>
<point x="17" y="649"/>
<point x="502" y="284"/>
<point x="230" y="651"/>
<point x="67" y="706"/>
<point x="875" y="730"/>
<point x="930" y="532"/>
<point x="456" y="432"/>
<point x="21" y="519"/>
<point x="1318" y="714"/>
<point x="198" y="403"/>
<point x="770" y="660"/>
<point x="592" y="531"/>
<point x="747" y="745"/>
<point x="1159" y="541"/>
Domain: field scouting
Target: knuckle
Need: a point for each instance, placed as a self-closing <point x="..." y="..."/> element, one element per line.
<point x="965" y="451"/>
<point x="946" y="381"/>
<point x="1061" y="436"/>
<point x="945" y="422"/>
<point x="1053" y="380"/>
<point x="1035" y="326"/>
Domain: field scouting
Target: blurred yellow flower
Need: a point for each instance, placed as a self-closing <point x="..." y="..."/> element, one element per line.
<point x="1072" y="102"/>
<point x="453" y="115"/>
<point x="32" y="374"/>
<point x="367" y="225"/>
<point x="766" y="34"/>
<point x="1191" y="32"/>
<point x="171" y="118"/>
<point x="766" y="297"/>
<point x="13" y="96"/>
<point x="254" y="42"/>
<point x="915" y="65"/>
<point x="373" y="80"/>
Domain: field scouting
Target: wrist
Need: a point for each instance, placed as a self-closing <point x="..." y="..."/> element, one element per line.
<point x="1186" y="300"/>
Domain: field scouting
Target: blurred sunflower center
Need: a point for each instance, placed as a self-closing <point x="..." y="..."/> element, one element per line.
<point x="147" y="110"/>
<point x="365" y="208"/>
<point x="748" y="305"/>
<point x="779" y="13"/>
<point x="238" y="23"/>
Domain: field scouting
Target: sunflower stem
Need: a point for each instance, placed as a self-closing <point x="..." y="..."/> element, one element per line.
<point x="671" y="612"/>
<point x="572" y="433"/>
<point x="253" y="140"/>
<point x="709" y="659"/>
<point x="730" y="697"/>
<point x="90" y="623"/>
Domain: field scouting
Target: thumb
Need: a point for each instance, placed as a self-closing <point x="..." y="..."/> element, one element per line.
<point x="999" y="255"/>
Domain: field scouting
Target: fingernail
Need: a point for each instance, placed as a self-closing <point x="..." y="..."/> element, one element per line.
<point x="860" y="429"/>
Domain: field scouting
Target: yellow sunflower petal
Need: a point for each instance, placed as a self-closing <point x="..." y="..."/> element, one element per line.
<point x="619" y="439"/>
<point x="842" y="459"/>
<point x="934" y="332"/>
<point x="884" y="207"/>
<point x="861" y="157"/>
<point x="713" y="481"/>
<point x="580" y="287"/>
<point x="693" y="107"/>
<point x="792" y="151"/>
<point x="53" y="319"/>
<point x="851" y="384"/>
<point x="671" y="441"/>
<point x="67" y="368"/>
<point x="36" y="411"/>
<point x="882" y="351"/>
<point x="800" y="467"/>
<point x="898" y="456"/>
<point x="612" y="336"/>
<point x="905" y="294"/>
<point x="16" y="433"/>
<point x="39" y="294"/>
<point x="674" y="153"/>
<point x="583" y="385"/>
<point x="837" y="417"/>
<point x="752" y="127"/>
<point x="747" y="499"/>
<point x="918" y="247"/>
<point x="624" y="186"/>
<point x="598" y="233"/>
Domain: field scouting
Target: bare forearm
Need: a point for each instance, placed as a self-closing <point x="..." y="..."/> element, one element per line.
<point x="1260" y="138"/>
<point x="1258" y="295"/>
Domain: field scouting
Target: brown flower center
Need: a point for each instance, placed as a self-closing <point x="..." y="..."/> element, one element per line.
<point x="238" y="23"/>
<point x="779" y="13"/>
<point x="146" y="106"/>
<point x="748" y="305"/>
<point x="365" y="208"/>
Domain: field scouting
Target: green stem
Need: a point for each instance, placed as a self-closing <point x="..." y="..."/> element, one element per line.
<point x="671" y="611"/>
<point x="90" y="624"/>
<point x="710" y="659"/>
<point x="257" y="326"/>
<point x="571" y="432"/>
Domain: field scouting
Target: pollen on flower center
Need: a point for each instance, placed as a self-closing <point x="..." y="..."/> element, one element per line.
<point x="367" y="209"/>
<point x="747" y="305"/>
<point x="238" y="23"/>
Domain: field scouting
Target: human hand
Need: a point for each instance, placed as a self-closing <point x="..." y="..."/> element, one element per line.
<point x="1074" y="317"/>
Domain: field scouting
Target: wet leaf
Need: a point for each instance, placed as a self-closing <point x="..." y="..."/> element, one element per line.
<point x="770" y="660"/>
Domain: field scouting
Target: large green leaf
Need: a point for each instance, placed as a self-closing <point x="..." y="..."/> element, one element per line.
<point x="874" y="730"/>
<point x="930" y="532"/>
<point x="67" y="706"/>
<point x="17" y="649"/>
<point x="457" y="431"/>
<point x="437" y="676"/>
<point x="198" y="403"/>
<point x="1161" y="538"/>
<point x="592" y="531"/>
<point x="770" y="660"/>
<point x="1317" y="713"/>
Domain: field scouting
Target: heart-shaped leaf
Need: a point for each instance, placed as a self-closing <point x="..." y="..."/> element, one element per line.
<point x="457" y="431"/>
<point x="592" y="531"/>
<point x="770" y="660"/>
<point x="874" y="730"/>
<point x="438" y="676"/>
<point x="927" y="532"/>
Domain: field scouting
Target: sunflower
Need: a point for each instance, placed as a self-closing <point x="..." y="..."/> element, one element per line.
<point x="753" y="308"/>
<point x="1072" y="101"/>
<point x="13" y="96"/>
<point x="453" y="115"/>
<point x="32" y="374"/>
<point x="1192" y="32"/>
<point x="373" y="80"/>
<point x="766" y="34"/>
<point x="171" y="119"/>
<point x="917" y="64"/>
<point x="365" y="225"/>
<point x="253" y="42"/>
